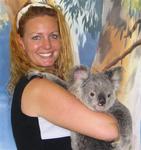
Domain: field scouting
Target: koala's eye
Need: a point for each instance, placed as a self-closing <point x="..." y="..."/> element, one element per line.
<point x="92" y="94"/>
<point x="109" y="95"/>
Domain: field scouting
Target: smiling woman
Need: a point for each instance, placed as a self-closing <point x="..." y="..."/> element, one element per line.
<point x="41" y="40"/>
<point x="42" y="112"/>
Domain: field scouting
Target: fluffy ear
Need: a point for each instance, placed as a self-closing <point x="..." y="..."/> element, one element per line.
<point x="79" y="73"/>
<point x="115" y="75"/>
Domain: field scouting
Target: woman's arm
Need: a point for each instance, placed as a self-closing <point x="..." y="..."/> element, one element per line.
<point x="44" y="98"/>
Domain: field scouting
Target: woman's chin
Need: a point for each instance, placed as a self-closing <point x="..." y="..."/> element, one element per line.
<point x="45" y="63"/>
<point x="48" y="64"/>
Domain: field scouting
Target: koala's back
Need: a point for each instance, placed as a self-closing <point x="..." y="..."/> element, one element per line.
<point x="123" y="116"/>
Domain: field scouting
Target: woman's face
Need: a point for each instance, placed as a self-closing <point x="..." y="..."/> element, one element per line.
<point x="41" y="40"/>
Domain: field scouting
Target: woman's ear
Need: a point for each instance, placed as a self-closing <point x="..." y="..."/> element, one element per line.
<point x="20" y="41"/>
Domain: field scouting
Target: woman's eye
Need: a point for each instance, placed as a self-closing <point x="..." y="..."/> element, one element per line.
<point x="37" y="37"/>
<point x="54" y="36"/>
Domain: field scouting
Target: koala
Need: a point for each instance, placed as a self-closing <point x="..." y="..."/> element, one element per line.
<point x="98" y="92"/>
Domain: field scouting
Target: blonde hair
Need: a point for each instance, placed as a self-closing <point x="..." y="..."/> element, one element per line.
<point x="20" y="63"/>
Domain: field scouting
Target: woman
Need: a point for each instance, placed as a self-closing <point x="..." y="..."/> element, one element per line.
<point x="41" y="110"/>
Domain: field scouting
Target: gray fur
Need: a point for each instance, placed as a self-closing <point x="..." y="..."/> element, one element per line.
<point x="49" y="76"/>
<point x="98" y="92"/>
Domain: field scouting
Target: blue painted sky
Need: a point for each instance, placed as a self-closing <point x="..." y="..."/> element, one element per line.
<point x="7" y="140"/>
<point x="4" y="57"/>
<point x="87" y="52"/>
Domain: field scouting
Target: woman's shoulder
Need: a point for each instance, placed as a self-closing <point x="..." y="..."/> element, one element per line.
<point x="36" y="93"/>
<point x="30" y="91"/>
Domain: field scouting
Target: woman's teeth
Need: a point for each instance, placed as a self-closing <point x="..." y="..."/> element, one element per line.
<point x="45" y="54"/>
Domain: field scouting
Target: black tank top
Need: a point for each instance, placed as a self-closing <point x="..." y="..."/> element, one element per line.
<point x="26" y="129"/>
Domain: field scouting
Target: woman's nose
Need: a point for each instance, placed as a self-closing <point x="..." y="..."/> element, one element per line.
<point x="47" y="43"/>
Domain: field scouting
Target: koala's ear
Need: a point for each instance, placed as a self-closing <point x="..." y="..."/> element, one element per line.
<point x="80" y="73"/>
<point x="115" y="75"/>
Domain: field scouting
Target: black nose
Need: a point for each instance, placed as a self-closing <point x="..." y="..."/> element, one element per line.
<point x="101" y="99"/>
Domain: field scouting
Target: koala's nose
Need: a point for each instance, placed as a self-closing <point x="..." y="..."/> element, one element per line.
<point x="101" y="99"/>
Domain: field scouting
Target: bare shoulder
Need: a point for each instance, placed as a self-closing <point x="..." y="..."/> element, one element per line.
<point x="34" y="94"/>
<point x="39" y="94"/>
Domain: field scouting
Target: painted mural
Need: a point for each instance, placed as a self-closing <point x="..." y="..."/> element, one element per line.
<point x="106" y="33"/>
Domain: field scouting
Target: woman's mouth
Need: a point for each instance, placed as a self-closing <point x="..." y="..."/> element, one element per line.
<point x="45" y="55"/>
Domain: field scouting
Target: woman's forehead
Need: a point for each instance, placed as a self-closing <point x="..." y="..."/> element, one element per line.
<point x="41" y="22"/>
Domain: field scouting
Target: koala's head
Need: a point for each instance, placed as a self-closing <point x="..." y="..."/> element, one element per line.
<point x="97" y="91"/>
